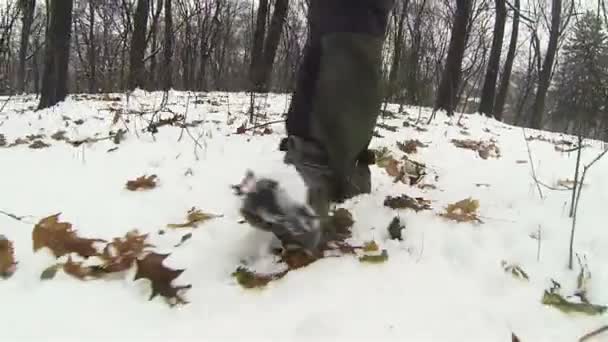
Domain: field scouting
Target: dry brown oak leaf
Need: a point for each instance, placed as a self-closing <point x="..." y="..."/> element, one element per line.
<point x="61" y="239"/>
<point x="121" y="253"/>
<point x="151" y="267"/>
<point x="7" y="258"/>
<point x="142" y="183"/>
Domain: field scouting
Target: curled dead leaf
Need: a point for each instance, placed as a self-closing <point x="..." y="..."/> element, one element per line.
<point x="121" y="253"/>
<point x="249" y="279"/>
<point x="77" y="270"/>
<point x="61" y="239"/>
<point x="463" y="211"/>
<point x="142" y="183"/>
<point x="342" y="220"/>
<point x="407" y="202"/>
<point x="484" y="149"/>
<point x="410" y="146"/>
<point x="194" y="217"/>
<point x="8" y="265"/>
<point x="375" y="259"/>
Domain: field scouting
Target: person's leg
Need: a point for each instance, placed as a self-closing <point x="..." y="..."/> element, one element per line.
<point x="337" y="100"/>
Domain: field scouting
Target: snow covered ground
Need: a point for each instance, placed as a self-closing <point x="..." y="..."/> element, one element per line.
<point x="443" y="282"/>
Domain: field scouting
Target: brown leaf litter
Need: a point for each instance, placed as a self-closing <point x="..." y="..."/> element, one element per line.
<point x="485" y="149"/>
<point x="463" y="211"/>
<point x="8" y="265"/>
<point x="142" y="183"/>
<point x="406" y="202"/>
<point x="194" y="217"/>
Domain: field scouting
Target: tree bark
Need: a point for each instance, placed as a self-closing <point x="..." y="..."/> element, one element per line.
<point x="57" y="54"/>
<point x="138" y="45"/>
<point x="257" y="49"/>
<point x="413" y="60"/>
<point x="545" y="74"/>
<point x="489" y="85"/>
<point x="505" y="78"/>
<point x="92" y="50"/>
<point x="168" y="81"/>
<point x="27" y="7"/>
<point x="272" y="43"/>
<point x="448" y="87"/>
<point x="397" y="54"/>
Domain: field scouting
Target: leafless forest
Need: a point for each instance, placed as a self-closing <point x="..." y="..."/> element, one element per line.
<point x="536" y="63"/>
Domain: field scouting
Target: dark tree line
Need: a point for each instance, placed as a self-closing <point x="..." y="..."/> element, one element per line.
<point x="484" y="56"/>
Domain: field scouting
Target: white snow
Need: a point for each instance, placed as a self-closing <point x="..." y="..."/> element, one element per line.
<point x="444" y="282"/>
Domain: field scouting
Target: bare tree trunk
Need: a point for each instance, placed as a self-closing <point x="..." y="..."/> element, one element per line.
<point x="167" y="84"/>
<point x="138" y="45"/>
<point x="397" y="54"/>
<point x="448" y="87"/>
<point x="546" y="71"/>
<point x="92" y="50"/>
<point x="503" y="88"/>
<point x="27" y="7"/>
<point x="413" y="60"/>
<point x="489" y="86"/>
<point x="257" y="50"/>
<point x="272" y="43"/>
<point x="57" y="54"/>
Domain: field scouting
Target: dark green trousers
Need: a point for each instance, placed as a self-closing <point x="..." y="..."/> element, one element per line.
<point x="338" y="92"/>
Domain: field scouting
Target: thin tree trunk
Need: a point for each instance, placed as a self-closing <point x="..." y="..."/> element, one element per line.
<point x="450" y="80"/>
<point x="489" y="85"/>
<point x="138" y="45"/>
<point x="168" y="46"/>
<point x="57" y="54"/>
<point x="503" y="88"/>
<point x="397" y="54"/>
<point x="257" y="50"/>
<point x="28" y="8"/>
<point x="92" y="50"/>
<point x="545" y="74"/>
<point x="272" y="43"/>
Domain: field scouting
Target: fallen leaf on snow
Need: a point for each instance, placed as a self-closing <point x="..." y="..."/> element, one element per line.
<point x="407" y="202"/>
<point x="193" y="219"/>
<point x="395" y="229"/>
<point x="184" y="239"/>
<point x="410" y="146"/>
<point x="8" y="265"/>
<point x="484" y="149"/>
<point x="249" y="279"/>
<point x="557" y="301"/>
<point x="121" y="253"/>
<point x="50" y="272"/>
<point x="515" y="270"/>
<point x="77" y="270"/>
<point x="371" y="246"/>
<point x="375" y="259"/>
<point x="142" y="183"/>
<point x="387" y="127"/>
<point x="38" y="144"/>
<point x="342" y="221"/>
<point x="151" y="267"/>
<point x="59" y="135"/>
<point x="463" y="211"/>
<point x="61" y="239"/>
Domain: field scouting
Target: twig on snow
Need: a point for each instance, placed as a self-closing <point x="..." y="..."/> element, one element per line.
<point x="6" y="102"/>
<point x="578" y="198"/>
<point x="14" y="217"/>
<point x="593" y="333"/>
<point x="540" y="192"/>
<point x="263" y="125"/>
